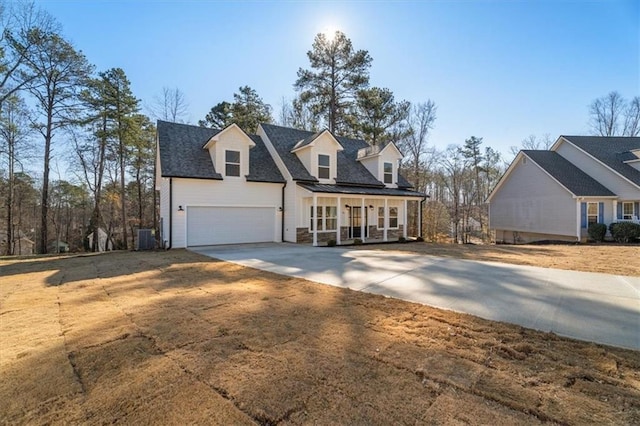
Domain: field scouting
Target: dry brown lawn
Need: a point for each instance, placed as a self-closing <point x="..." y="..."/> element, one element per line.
<point x="606" y="258"/>
<point x="177" y="338"/>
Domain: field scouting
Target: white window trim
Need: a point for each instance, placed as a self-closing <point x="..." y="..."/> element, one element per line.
<point x="597" y="215"/>
<point x="384" y="173"/>
<point x="239" y="163"/>
<point x="397" y="217"/>
<point x="383" y="220"/>
<point x="324" y="167"/>
<point x="624" y="203"/>
<point x="322" y="227"/>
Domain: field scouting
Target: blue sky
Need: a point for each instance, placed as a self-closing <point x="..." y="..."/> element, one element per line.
<point x="500" y="70"/>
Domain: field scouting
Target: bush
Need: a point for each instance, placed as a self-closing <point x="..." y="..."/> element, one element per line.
<point x="357" y="242"/>
<point x="420" y="240"/>
<point x="624" y="232"/>
<point x="597" y="231"/>
<point x="331" y="243"/>
<point x="402" y="240"/>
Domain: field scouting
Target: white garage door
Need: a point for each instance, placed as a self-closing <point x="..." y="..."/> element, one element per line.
<point x="230" y="225"/>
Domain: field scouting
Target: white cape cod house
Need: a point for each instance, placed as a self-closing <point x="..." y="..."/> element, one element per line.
<point x="227" y="187"/>
<point x="556" y="194"/>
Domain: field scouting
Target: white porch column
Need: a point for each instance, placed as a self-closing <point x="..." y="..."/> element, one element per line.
<point x="314" y="220"/>
<point x="362" y="219"/>
<point x="404" y="218"/>
<point x="339" y="220"/>
<point x="385" y="220"/>
<point x="615" y="211"/>
<point x="419" y="218"/>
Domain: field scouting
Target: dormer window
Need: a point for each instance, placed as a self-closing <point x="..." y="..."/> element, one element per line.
<point x="232" y="163"/>
<point x="388" y="172"/>
<point x="324" y="166"/>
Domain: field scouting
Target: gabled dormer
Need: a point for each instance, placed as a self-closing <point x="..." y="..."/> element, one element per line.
<point x="229" y="151"/>
<point x="382" y="162"/>
<point x="319" y="155"/>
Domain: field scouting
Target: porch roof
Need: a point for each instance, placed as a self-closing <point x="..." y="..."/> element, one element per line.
<point x="360" y="190"/>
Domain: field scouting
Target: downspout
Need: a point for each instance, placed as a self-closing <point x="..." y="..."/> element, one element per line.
<point x="282" y="218"/>
<point x="170" y="213"/>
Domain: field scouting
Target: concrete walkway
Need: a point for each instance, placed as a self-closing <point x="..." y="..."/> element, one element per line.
<point x="587" y="306"/>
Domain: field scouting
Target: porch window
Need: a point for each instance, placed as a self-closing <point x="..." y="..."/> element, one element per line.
<point x="393" y="217"/>
<point x="326" y="218"/>
<point x="232" y="163"/>
<point x="380" y="217"/>
<point x="592" y="213"/>
<point x="324" y="163"/>
<point x="627" y="211"/>
<point x="388" y="173"/>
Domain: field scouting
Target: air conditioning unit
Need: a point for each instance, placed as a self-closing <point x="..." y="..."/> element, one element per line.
<point x="146" y="239"/>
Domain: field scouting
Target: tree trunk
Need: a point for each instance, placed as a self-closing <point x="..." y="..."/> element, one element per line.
<point x="10" y="244"/>
<point x="44" y="205"/>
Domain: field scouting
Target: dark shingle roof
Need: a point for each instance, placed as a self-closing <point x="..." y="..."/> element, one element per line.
<point x="571" y="177"/>
<point x="610" y="150"/>
<point x="349" y="189"/>
<point x="182" y="154"/>
<point x="350" y="171"/>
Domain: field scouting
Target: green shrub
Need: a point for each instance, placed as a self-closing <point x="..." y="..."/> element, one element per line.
<point x="331" y="243"/>
<point x="402" y="240"/>
<point x="357" y="241"/>
<point x="597" y="231"/>
<point x="420" y="240"/>
<point x="625" y="232"/>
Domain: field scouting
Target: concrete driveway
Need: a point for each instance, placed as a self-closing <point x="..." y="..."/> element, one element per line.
<point x="587" y="306"/>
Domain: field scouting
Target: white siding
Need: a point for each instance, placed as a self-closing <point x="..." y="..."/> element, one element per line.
<point x="611" y="180"/>
<point x="164" y="210"/>
<point x="530" y="200"/>
<point x="389" y="155"/>
<point x="290" y="197"/>
<point x="226" y="193"/>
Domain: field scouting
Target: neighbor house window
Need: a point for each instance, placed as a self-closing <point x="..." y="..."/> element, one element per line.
<point x="323" y="166"/>
<point x="325" y="217"/>
<point x="232" y="163"/>
<point x="627" y="211"/>
<point x="393" y="217"/>
<point x="592" y="213"/>
<point x="380" y="217"/>
<point x="388" y="173"/>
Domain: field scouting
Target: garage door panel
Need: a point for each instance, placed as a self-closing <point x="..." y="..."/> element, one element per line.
<point x="230" y="225"/>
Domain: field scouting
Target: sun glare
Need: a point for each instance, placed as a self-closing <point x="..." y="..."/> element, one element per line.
<point x="330" y="33"/>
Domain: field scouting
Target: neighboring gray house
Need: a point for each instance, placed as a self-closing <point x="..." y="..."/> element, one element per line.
<point x="556" y="194"/>
<point x="282" y="184"/>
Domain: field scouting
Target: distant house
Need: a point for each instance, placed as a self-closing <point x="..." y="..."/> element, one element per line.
<point x="58" y="246"/>
<point x="104" y="244"/>
<point x="22" y="245"/>
<point x="282" y="184"/>
<point x="556" y="194"/>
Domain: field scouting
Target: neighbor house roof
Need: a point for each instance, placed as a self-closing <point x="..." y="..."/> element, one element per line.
<point x="568" y="175"/>
<point x="348" y="189"/>
<point x="350" y="171"/>
<point x="610" y="150"/>
<point x="182" y="154"/>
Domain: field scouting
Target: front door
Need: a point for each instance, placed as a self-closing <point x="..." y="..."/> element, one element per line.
<point x="356" y="222"/>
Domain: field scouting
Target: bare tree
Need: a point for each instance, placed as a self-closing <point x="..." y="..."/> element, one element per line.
<point x="613" y="115"/>
<point x="23" y="23"/>
<point x="170" y="105"/>
<point x="632" y="118"/>
<point x="533" y="142"/>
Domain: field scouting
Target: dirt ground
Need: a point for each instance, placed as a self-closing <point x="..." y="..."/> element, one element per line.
<point x="177" y="338"/>
<point x="607" y="258"/>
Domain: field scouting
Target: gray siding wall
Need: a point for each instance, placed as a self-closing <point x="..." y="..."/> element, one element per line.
<point x="612" y="181"/>
<point x="531" y="201"/>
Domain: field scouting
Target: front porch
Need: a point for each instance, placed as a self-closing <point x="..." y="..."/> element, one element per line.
<point x="352" y="219"/>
